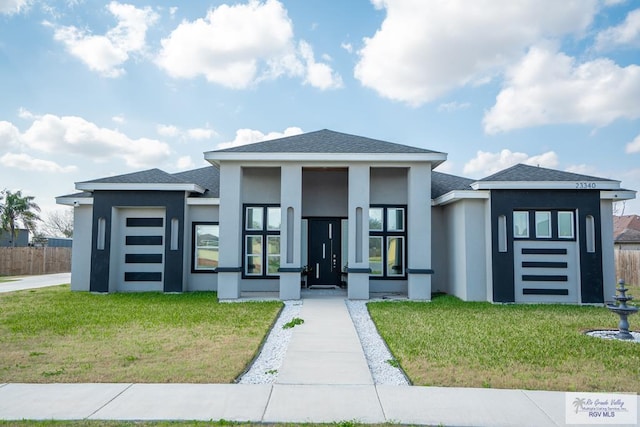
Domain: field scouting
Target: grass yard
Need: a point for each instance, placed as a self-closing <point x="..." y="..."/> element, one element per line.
<point x="452" y="343"/>
<point x="53" y="335"/>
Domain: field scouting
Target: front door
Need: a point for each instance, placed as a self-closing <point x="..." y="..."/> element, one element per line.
<point x="324" y="252"/>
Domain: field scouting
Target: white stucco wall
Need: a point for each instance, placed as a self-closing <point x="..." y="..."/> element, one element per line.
<point x="608" y="257"/>
<point x="466" y="252"/>
<point x="81" y="250"/>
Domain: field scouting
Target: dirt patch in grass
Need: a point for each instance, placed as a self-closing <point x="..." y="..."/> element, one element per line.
<point x="54" y="335"/>
<point x="452" y="343"/>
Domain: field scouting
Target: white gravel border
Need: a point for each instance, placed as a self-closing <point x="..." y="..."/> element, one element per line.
<point x="375" y="349"/>
<point x="611" y="335"/>
<point x="264" y="369"/>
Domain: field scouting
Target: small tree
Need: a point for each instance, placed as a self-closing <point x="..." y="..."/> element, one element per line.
<point x="17" y="208"/>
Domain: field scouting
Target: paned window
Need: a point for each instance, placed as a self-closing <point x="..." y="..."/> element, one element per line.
<point x="205" y="247"/>
<point x="520" y="225"/>
<point x="262" y="241"/>
<point x="543" y="225"/>
<point x="387" y="241"/>
<point x="565" y="225"/>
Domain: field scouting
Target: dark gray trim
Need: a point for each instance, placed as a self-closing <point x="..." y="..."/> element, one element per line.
<point x="420" y="271"/>
<point x="145" y="222"/>
<point x="537" y="291"/>
<point x="194" y="242"/>
<point x="290" y="270"/>
<point x="143" y="276"/>
<point x="143" y="240"/>
<point x="143" y="258"/>
<point x="543" y="251"/>
<point x="358" y="270"/>
<point x="544" y="264"/>
<point x="103" y="203"/>
<point x="229" y="270"/>
<point x="544" y="278"/>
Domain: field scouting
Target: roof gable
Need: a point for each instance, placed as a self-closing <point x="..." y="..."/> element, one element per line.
<point x="521" y="172"/>
<point x="324" y="141"/>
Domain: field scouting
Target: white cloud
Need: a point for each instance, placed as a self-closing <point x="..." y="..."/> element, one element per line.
<point x="106" y="54"/>
<point x="9" y="135"/>
<point x="424" y="49"/>
<point x="9" y="7"/>
<point x="548" y="87"/>
<point x="347" y="46"/>
<point x="118" y="119"/>
<point x="28" y="163"/>
<point x="167" y="130"/>
<point x="185" y="162"/>
<point x="486" y="163"/>
<point x="249" y="136"/>
<point x="23" y="113"/>
<point x="200" y="133"/>
<point x="627" y="33"/>
<point x="318" y="74"/>
<point x="241" y="45"/>
<point x="632" y="147"/>
<point x="453" y="106"/>
<point x="75" y="135"/>
<point x="583" y="169"/>
<point x="226" y="46"/>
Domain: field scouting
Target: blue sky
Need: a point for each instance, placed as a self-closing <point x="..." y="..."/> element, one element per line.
<point x="95" y="88"/>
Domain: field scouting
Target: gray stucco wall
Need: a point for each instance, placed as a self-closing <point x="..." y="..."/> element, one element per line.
<point x="261" y="185"/>
<point x="388" y="186"/>
<point x="608" y="253"/>
<point x="81" y="249"/>
<point x="439" y="260"/>
<point x="325" y="193"/>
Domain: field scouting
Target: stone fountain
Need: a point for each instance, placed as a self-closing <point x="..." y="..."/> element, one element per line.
<point x="623" y="310"/>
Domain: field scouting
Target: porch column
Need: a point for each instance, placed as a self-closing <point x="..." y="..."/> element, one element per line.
<point x="419" y="232"/>
<point x="358" y="269"/>
<point x="230" y="239"/>
<point x="290" y="231"/>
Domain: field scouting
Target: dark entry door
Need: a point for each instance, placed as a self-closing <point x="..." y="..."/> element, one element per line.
<point x="324" y="252"/>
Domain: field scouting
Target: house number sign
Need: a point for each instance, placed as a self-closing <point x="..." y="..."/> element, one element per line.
<point x="586" y="185"/>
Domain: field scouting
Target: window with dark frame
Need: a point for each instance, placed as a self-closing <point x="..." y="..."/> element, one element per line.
<point x="205" y="236"/>
<point x="261" y="241"/>
<point x="387" y="242"/>
<point x="549" y="224"/>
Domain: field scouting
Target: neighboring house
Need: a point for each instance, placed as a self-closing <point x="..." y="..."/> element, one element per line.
<point x="345" y="208"/>
<point x="21" y="238"/>
<point x="626" y="232"/>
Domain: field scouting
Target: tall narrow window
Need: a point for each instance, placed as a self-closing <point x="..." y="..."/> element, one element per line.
<point x="543" y="225"/>
<point x="565" y="225"/>
<point x="387" y="237"/>
<point x="102" y="225"/>
<point x="205" y="251"/>
<point x="521" y="224"/>
<point x="591" y="234"/>
<point x="262" y="240"/>
<point x="174" y="233"/>
<point x="502" y="233"/>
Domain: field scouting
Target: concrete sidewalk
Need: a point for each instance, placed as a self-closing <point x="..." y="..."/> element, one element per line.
<point x="283" y="403"/>
<point x="31" y="282"/>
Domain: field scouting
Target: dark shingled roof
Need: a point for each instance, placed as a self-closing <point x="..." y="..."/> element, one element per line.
<point x="442" y="183"/>
<point x="325" y="141"/>
<point x="81" y="195"/>
<point x="153" y="176"/>
<point x="207" y="177"/>
<point x="522" y="172"/>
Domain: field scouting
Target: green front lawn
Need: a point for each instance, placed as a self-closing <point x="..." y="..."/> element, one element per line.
<point x="54" y="335"/>
<point x="452" y="343"/>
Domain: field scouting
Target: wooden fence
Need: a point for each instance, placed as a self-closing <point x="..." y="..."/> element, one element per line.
<point x="628" y="266"/>
<point x="29" y="261"/>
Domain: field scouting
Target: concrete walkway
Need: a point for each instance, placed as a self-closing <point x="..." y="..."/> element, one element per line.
<point x="31" y="282"/>
<point x="324" y="378"/>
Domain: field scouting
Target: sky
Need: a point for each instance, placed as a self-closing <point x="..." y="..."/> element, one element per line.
<point x="91" y="88"/>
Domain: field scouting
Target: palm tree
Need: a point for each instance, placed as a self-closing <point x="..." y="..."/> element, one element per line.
<point x="17" y="207"/>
